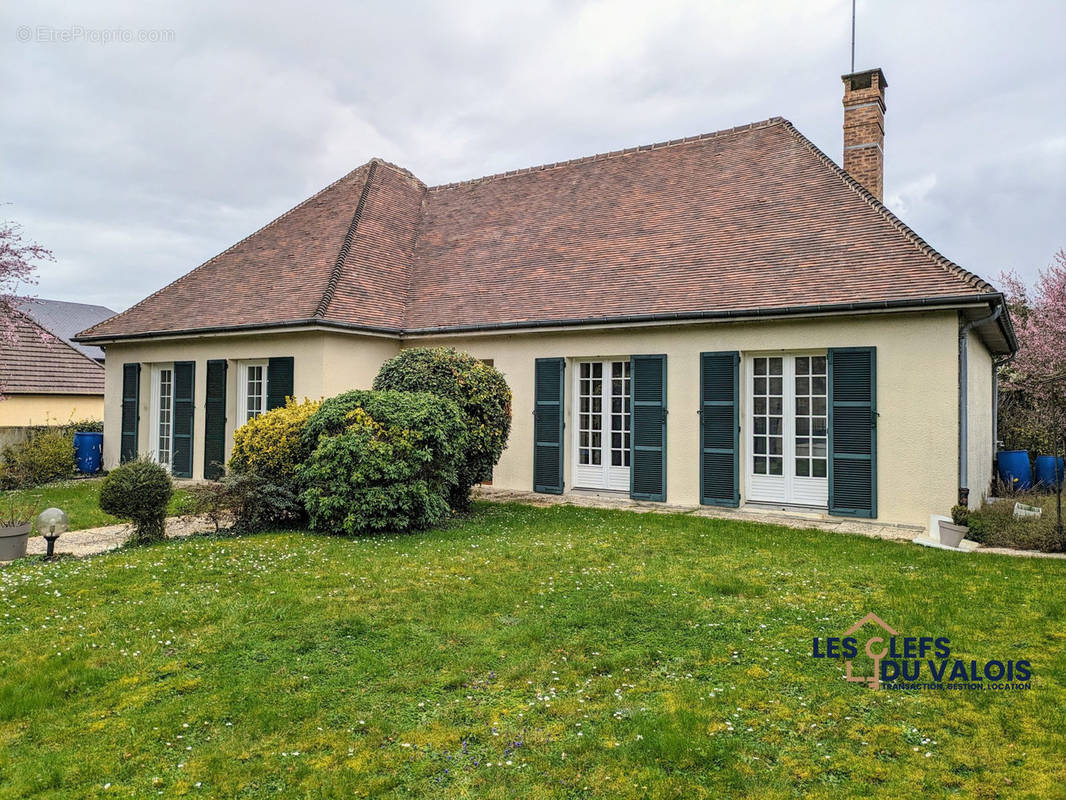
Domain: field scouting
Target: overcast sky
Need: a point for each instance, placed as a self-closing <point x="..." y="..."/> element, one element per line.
<point x="136" y="161"/>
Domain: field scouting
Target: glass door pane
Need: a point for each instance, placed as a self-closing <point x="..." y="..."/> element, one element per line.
<point x="590" y="413"/>
<point x="619" y="413"/>
<point x="166" y="410"/>
<point x="811" y="417"/>
<point x="768" y="432"/>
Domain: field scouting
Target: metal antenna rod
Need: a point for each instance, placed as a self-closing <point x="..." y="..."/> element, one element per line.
<point x="853" y="35"/>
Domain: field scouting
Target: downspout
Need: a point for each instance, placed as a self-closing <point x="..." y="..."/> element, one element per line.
<point x="964" y="433"/>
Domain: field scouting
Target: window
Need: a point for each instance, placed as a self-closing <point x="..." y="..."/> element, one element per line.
<point x="767" y="416"/>
<point x="811" y="417"/>
<point x="602" y="441"/>
<point x="252" y="389"/>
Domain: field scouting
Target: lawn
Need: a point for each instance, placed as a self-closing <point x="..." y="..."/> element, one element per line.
<point x="80" y="499"/>
<point x="521" y="652"/>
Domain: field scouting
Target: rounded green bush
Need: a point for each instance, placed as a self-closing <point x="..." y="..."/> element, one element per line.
<point x="139" y="491"/>
<point x="381" y="461"/>
<point x="481" y="393"/>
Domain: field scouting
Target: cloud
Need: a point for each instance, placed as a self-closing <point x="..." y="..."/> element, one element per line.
<point x="135" y="162"/>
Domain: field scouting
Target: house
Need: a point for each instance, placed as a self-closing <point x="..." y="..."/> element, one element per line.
<point x="45" y="381"/>
<point x="64" y="319"/>
<point x="725" y="319"/>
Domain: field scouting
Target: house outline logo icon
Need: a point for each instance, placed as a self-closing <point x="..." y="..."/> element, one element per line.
<point x="874" y="681"/>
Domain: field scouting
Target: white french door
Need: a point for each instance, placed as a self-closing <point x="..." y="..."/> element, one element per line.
<point x="602" y="427"/>
<point x="163" y="413"/>
<point x="787" y="431"/>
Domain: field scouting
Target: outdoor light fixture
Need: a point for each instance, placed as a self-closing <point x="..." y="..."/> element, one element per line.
<point x="51" y="523"/>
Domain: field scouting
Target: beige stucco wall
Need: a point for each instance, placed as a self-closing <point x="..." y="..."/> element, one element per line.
<point x="980" y="447"/>
<point x="917" y="377"/>
<point x="49" y="409"/>
<point x="324" y="364"/>
<point x="917" y="368"/>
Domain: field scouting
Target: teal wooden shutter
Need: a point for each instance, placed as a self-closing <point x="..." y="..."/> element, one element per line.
<point x="279" y="381"/>
<point x="131" y="415"/>
<point x="548" y="425"/>
<point x="720" y="428"/>
<point x="647" y="458"/>
<point x="184" y="387"/>
<point x="853" y="431"/>
<point x="215" y="420"/>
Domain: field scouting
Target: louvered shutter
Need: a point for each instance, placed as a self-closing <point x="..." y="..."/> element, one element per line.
<point x="279" y="381"/>
<point x="720" y="428"/>
<point x="853" y="431"/>
<point x="548" y="425"/>
<point x="131" y="417"/>
<point x="184" y="387"/>
<point x="215" y="420"/>
<point x="647" y="473"/>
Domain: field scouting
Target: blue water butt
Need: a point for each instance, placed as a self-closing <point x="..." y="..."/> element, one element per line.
<point x="1014" y="469"/>
<point x="89" y="451"/>
<point x="1049" y="471"/>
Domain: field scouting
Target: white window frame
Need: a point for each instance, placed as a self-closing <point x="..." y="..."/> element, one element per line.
<point x="787" y="489"/>
<point x="602" y="476"/>
<point x="154" y="451"/>
<point x="242" y="388"/>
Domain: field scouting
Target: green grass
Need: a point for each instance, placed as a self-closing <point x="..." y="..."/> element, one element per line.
<point x="520" y="652"/>
<point x="80" y="499"/>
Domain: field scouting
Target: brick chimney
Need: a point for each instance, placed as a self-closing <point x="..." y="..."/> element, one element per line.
<point x="864" y="129"/>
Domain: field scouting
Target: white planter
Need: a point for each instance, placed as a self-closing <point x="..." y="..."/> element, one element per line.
<point x="13" y="542"/>
<point x="952" y="535"/>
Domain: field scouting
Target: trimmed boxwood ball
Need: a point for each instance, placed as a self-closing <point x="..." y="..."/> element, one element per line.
<point x="481" y="392"/>
<point x="139" y="491"/>
<point x="381" y="461"/>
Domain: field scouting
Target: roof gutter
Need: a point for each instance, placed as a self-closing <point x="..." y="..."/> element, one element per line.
<point x="992" y="299"/>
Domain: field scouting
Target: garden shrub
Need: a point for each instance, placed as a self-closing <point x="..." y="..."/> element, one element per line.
<point x="138" y="491"/>
<point x="47" y="455"/>
<point x="995" y="525"/>
<point x="271" y="444"/>
<point x="381" y="461"/>
<point x="252" y="502"/>
<point x="481" y="393"/>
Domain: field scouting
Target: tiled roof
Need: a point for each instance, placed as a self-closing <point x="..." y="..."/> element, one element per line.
<point x="748" y="219"/>
<point x="38" y="363"/>
<point x="64" y="319"/>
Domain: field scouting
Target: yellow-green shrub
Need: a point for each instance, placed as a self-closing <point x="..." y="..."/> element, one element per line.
<point x="270" y="445"/>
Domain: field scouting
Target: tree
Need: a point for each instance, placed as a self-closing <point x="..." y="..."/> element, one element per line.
<point x="1034" y="384"/>
<point x="17" y="268"/>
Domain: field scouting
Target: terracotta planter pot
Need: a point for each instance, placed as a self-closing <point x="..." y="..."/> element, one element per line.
<point x="13" y="542"/>
<point x="951" y="535"/>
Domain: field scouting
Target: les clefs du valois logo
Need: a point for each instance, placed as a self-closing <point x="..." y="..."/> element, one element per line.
<point x="891" y="661"/>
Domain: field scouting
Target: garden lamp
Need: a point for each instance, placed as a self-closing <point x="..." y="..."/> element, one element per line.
<point x="51" y="523"/>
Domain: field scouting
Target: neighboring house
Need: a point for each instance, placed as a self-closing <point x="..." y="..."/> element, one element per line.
<point x="725" y="319"/>
<point x="45" y="381"/>
<point x="64" y="320"/>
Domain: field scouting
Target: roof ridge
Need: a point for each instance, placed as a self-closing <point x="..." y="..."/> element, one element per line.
<point x="766" y="123"/>
<point x="233" y="246"/>
<point x="974" y="280"/>
<point x="346" y="245"/>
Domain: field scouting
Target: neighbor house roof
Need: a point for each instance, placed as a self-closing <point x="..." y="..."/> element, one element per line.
<point x="751" y="220"/>
<point x="65" y="319"/>
<point x="36" y="362"/>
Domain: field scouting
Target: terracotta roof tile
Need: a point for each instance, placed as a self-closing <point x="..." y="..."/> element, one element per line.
<point x="37" y="362"/>
<point x="749" y="218"/>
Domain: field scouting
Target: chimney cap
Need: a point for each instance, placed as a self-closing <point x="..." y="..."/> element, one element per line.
<point x="857" y="77"/>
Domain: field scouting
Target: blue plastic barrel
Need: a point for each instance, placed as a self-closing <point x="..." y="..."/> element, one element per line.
<point x="88" y="451"/>
<point x="1014" y="469"/>
<point x="1049" y="471"/>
